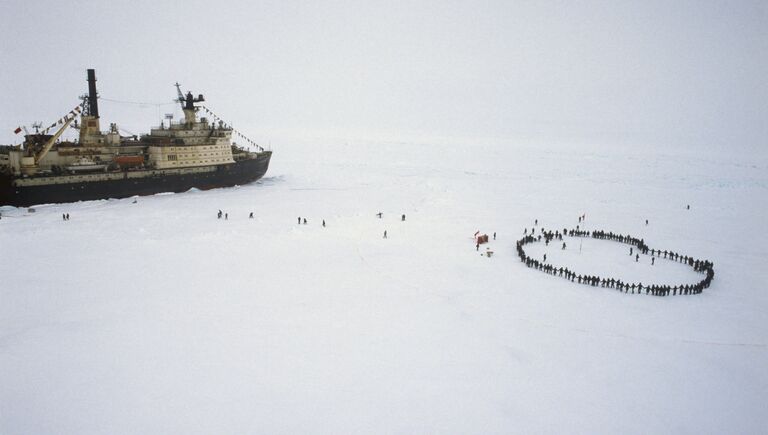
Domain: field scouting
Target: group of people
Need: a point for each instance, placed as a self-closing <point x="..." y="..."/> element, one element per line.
<point x="703" y="266"/>
<point x="65" y="216"/>
<point x="299" y="221"/>
<point x="226" y="215"/>
<point x="639" y="244"/>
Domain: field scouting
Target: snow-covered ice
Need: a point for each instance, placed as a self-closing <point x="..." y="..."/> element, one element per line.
<point x="157" y="317"/>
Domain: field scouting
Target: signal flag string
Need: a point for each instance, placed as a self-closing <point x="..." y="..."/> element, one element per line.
<point x="74" y="112"/>
<point x="218" y="119"/>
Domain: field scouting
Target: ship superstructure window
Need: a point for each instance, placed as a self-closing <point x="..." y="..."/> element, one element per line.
<point x="172" y="157"/>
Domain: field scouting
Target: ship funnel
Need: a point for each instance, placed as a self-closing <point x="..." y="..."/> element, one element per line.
<point x="93" y="104"/>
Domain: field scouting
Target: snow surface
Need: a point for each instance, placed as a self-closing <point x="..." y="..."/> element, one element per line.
<point x="156" y="317"/>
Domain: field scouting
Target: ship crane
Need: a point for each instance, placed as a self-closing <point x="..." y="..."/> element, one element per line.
<point x="52" y="140"/>
<point x="181" y="98"/>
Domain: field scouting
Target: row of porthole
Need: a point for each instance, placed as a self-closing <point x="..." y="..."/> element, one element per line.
<point x="192" y="159"/>
<point x="211" y="147"/>
<point x="205" y="154"/>
<point x="200" y="161"/>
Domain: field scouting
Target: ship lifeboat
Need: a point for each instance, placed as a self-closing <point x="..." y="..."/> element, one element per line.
<point x="129" y="161"/>
<point x="84" y="164"/>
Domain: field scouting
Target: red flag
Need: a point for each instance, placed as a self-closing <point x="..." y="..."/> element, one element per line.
<point x="17" y="131"/>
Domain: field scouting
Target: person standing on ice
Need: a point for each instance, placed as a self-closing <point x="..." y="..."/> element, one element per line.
<point x="630" y="250"/>
<point x="535" y="222"/>
<point x="646" y="221"/>
<point x="637" y="258"/>
<point x="653" y="259"/>
<point x="385" y="234"/>
<point x="298" y="220"/>
<point x="563" y="245"/>
<point x="494" y="235"/>
<point x="379" y="214"/>
<point x="403" y="218"/>
<point x="250" y="216"/>
<point x="323" y="223"/>
<point x="545" y="258"/>
<point x="305" y="221"/>
<point x="477" y="246"/>
<point x="226" y="216"/>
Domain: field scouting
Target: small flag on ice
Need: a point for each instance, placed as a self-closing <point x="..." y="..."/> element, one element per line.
<point x="17" y="131"/>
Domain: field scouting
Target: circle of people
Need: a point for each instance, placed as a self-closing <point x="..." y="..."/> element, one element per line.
<point x="702" y="266"/>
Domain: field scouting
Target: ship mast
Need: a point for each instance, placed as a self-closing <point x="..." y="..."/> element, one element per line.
<point x="188" y="104"/>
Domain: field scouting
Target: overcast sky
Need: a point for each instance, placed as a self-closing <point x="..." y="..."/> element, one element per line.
<point x="666" y="73"/>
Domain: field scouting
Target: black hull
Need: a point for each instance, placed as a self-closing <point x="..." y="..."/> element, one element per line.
<point x="238" y="173"/>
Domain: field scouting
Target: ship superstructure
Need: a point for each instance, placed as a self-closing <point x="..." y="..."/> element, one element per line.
<point x="190" y="153"/>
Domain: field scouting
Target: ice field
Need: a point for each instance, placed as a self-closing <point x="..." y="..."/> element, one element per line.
<point x="157" y="317"/>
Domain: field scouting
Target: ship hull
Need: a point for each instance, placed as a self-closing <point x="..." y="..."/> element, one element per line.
<point x="62" y="189"/>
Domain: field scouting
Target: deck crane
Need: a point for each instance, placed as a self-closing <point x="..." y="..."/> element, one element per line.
<point x="47" y="147"/>
<point x="181" y="98"/>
